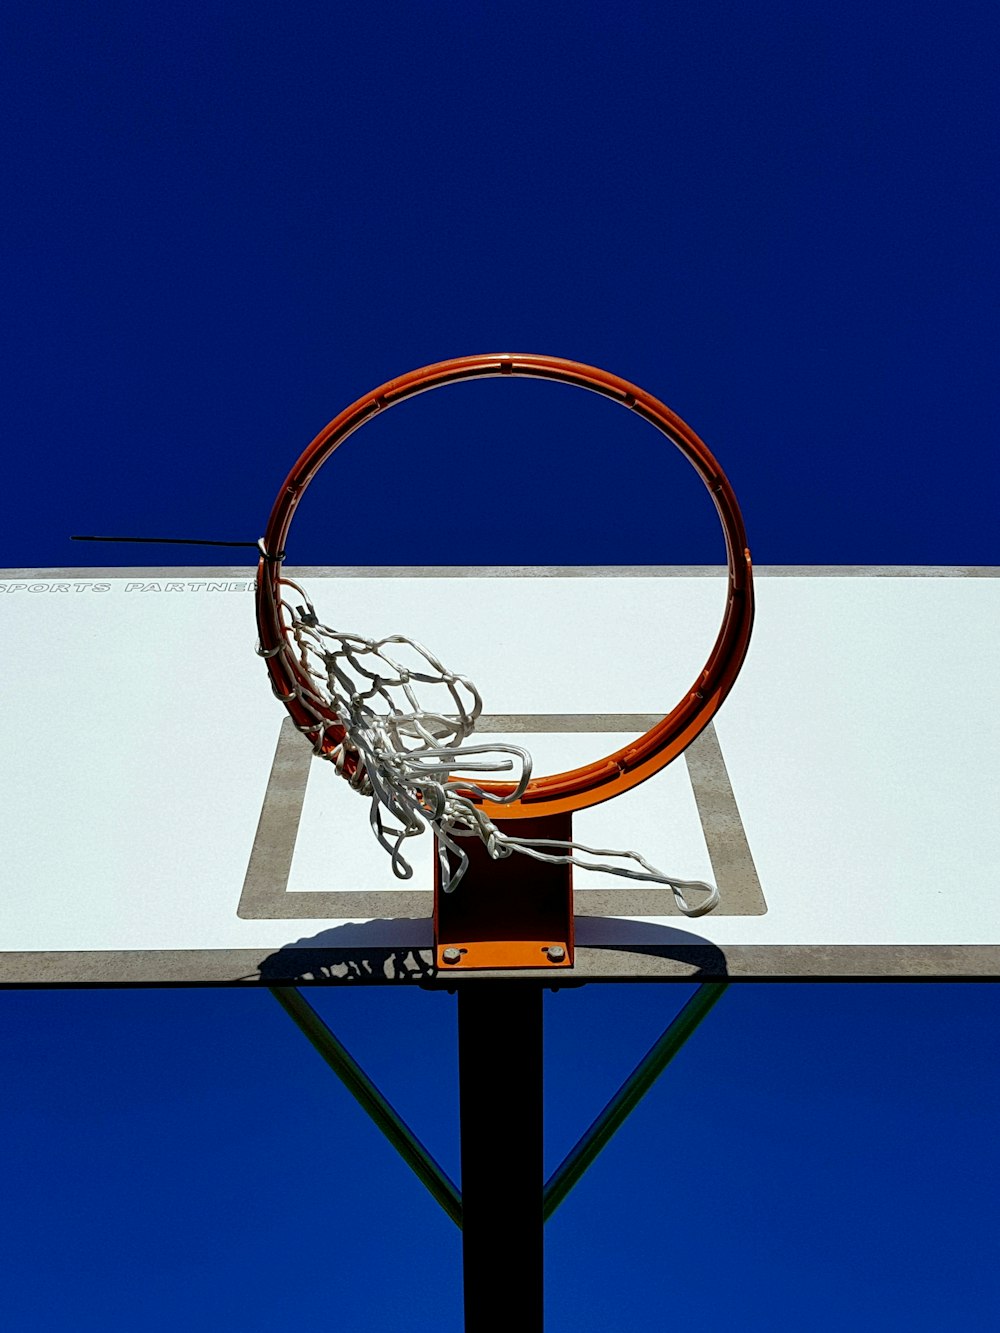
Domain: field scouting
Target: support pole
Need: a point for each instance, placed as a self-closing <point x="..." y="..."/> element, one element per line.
<point x="500" y="1089"/>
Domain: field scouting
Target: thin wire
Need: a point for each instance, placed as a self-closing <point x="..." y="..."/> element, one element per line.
<point x="163" y="541"/>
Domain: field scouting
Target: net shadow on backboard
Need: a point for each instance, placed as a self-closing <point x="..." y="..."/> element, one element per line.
<point x="363" y="954"/>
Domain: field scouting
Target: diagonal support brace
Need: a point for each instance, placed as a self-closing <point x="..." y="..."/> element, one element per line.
<point x="630" y="1094"/>
<point x="420" y="1161"/>
<point x="367" y="1095"/>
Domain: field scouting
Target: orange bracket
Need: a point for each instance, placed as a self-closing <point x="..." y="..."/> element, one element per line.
<point x="511" y="914"/>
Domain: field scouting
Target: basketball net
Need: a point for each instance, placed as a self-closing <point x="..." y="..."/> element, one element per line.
<point x="407" y="751"/>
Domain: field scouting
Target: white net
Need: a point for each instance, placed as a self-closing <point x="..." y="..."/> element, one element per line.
<point x="407" y="719"/>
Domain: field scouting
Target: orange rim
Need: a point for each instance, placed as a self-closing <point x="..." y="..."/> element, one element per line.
<point x="577" y="788"/>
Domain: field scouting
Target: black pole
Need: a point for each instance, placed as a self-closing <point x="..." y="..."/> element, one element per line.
<point x="500" y="1090"/>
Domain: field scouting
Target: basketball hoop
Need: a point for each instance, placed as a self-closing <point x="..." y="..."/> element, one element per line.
<point x="577" y="788"/>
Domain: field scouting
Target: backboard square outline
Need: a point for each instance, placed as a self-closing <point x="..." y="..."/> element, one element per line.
<point x="266" y="895"/>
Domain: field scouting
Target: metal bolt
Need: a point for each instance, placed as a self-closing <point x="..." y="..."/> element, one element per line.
<point x="555" y="953"/>
<point x="452" y="955"/>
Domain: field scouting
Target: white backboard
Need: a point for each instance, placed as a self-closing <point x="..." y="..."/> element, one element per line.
<point x="162" y="822"/>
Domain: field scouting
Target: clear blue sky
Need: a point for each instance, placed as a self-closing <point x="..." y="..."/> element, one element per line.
<point x="222" y="223"/>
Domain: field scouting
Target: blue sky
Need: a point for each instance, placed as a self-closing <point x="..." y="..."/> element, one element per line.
<point x="221" y="224"/>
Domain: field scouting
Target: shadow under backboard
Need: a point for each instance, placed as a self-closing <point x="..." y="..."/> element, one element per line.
<point x="363" y="954"/>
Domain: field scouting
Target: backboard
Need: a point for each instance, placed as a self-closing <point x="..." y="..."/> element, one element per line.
<point x="164" y="823"/>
